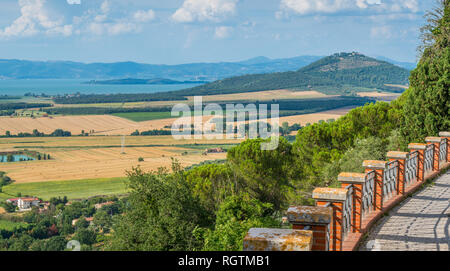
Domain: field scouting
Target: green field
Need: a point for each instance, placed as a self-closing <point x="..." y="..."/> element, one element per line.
<point x="202" y="147"/>
<point x="77" y="189"/>
<point x="144" y="116"/>
<point x="9" y="225"/>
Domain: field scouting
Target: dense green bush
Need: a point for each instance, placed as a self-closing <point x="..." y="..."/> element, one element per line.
<point x="36" y="133"/>
<point x="265" y="174"/>
<point x="236" y="215"/>
<point x="162" y="214"/>
<point x="14" y="106"/>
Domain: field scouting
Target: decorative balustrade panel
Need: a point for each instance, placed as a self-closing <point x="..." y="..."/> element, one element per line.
<point x="428" y="160"/>
<point x="390" y="180"/>
<point x="327" y="236"/>
<point x="347" y="212"/>
<point x="411" y="167"/>
<point x="368" y="193"/>
<point x="443" y="151"/>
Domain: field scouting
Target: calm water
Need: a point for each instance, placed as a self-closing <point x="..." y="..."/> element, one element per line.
<point x="70" y="86"/>
<point x="17" y="158"/>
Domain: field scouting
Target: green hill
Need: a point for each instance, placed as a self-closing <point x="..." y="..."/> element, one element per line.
<point x="341" y="73"/>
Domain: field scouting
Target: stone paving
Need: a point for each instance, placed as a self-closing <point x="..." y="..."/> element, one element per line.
<point x="420" y="223"/>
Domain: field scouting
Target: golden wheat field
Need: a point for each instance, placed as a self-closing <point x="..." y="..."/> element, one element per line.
<point x="100" y="141"/>
<point x="100" y="156"/>
<point x="375" y="94"/>
<point x="397" y="86"/>
<point x="101" y="124"/>
<point x="268" y="95"/>
<point x="316" y="117"/>
<point x="312" y="118"/>
<point x="78" y="158"/>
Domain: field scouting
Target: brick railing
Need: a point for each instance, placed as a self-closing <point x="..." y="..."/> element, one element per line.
<point x="343" y="215"/>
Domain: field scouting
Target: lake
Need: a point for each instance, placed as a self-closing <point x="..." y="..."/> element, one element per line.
<point x="69" y="86"/>
<point x="17" y="157"/>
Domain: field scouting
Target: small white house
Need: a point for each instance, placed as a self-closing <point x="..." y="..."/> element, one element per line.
<point x="27" y="203"/>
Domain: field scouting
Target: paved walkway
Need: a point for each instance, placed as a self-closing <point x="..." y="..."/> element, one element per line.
<point x="420" y="223"/>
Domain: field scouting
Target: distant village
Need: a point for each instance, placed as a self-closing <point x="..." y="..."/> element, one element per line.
<point x="213" y="150"/>
<point x="25" y="204"/>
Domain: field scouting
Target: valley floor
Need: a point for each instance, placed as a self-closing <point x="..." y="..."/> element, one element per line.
<point x="95" y="165"/>
<point x="77" y="158"/>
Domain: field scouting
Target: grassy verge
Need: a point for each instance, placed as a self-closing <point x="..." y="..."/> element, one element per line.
<point x="9" y="225"/>
<point x="144" y="116"/>
<point x="76" y="189"/>
<point x="202" y="147"/>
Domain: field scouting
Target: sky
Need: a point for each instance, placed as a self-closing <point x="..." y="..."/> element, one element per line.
<point x="186" y="31"/>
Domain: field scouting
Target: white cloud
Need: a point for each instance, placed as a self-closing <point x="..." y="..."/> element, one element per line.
<point x="105" y="7"/>
<point x="412" y="5"/>
<point x="144" y="16"/>
<point x="383" y="18"/>
<point x="314" y="6"/>
<point x="222" y="32"/>
<point x="365" y="3"/>
<point x="204" y="10"/>
<point x="122" y="28"/>
<point x="40" y="17"/>
<point x="100" y="22"/>
<point x="74" y="2"/>
<point x="303" y="7"/>
<point x="381" y="32"/>
<point x="65" y="30"/>
<point x="33" y="19"/>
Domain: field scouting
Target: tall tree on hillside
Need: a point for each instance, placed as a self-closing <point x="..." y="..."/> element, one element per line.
<point x="162" y="213"/>
<point x="265" y="174"/>
<point x="426" y="109"/>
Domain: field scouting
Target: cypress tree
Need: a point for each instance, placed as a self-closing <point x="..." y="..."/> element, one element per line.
<point x="426" y="108"/>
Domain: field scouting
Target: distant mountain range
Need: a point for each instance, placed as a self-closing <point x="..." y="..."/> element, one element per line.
<point x="342" y="73"/>
<point x="22" y="69"/>
<point x="407" y="65"/>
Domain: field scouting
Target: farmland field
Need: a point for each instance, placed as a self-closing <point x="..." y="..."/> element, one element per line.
<point x="316" y="117"/>
<point x="100" y="156"/>
<point x="312" y="118"/>
<point x="100" y="124"/>
<point x="74" y="124"/>
<point x="75" y="189"/>
<point x="9" y="225"/>
<point x="144" y="116"/>
<point x="78" y="158"/>
<point x="267" y="95"/>
<point x="386" y="96"/>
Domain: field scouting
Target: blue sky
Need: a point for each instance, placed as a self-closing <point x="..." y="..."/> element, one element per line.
<point x="183" y="31"/>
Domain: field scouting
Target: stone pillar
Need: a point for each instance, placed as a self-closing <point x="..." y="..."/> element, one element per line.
<point x="337" y="197"/>
<point x="379" y="167"/>
<point x="420" y="147"/>
<point x="446" y="135"/>
<point x="358" y="180"/>
<point x="436" y="141"/>
<point x="401" y="158"/>
<point x="278" y="240"/>
<point x="314" y="218"/>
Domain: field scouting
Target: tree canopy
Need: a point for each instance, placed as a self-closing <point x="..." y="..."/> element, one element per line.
<point x="426" y="110"/>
